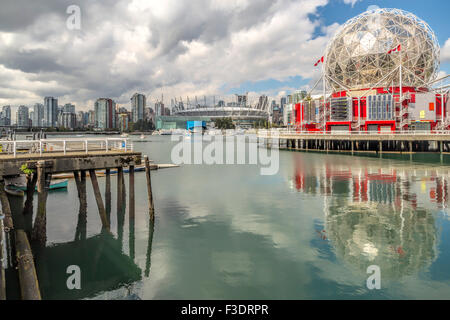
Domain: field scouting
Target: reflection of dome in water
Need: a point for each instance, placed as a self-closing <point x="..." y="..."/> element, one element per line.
<point x="358" y="57"/>
<point x="400" y="244"/>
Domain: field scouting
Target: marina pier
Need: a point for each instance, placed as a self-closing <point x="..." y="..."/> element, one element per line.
<point x="39" y="160"/>
<point x="354" y="142"/>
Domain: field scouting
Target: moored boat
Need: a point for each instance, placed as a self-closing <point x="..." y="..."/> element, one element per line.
<point x="54" y="185"/>
<point x="14" y="192"/>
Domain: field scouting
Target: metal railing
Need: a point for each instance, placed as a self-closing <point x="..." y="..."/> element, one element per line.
<point x="65" y="146"/>
<point x="294" y="132"/>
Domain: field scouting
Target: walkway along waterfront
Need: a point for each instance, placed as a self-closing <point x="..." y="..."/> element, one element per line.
<point x="378" y="142"/>
<point x="40" y="159"/>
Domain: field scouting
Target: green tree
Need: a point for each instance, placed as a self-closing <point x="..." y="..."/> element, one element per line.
<point x="224" y="123"/>
<point x="142" y="125"/>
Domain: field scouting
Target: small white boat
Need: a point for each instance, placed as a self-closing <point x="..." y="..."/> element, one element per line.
<point x="124" y="135"/>
<point x="142" y="137"/>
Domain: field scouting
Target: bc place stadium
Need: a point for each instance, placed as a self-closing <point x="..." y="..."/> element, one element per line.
<point x="242" y="112"/>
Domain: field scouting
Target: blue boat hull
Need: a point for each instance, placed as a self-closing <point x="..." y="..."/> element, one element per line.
<point x="54" y="186"/>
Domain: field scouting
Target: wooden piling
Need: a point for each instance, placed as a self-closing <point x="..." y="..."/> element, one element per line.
<point x="5" y="207"/>
<point x="76" y="177"/>
<point x="39" y="232"/>
<point x="119" y="188"/>
<point x="98" y="199"/>
<point x="108" y="194"/>
<point x="131" y="192"/>
<point x="83" y="198"/>
<point x="148" y="261"/>
<point x="31" y="186"/>
<point x="149" y="189"/>
<point x="131" y="214"/>
<point x="2" y="270"/>
<point x="80" y="180"/>
<point x="29" y="285"/>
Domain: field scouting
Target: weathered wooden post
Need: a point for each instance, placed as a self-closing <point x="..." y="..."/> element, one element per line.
<point x="98" y="199"/>
<point x="2" y="271"/>
<point x="131" y="192"/>
<point x="119" y="188"/>
<point x="149" y="189"/>
<point x="76" y="177"/>
<point x="148" y="261"/>
<point x="29" y="285"/>
<point x="108" y="194"/>
<point x="80" y="179"/>
<point x="5" y="207"/>
<point x="131" y="215"/>
<point x="39" y="232"/>
<point x="31" y="186"/>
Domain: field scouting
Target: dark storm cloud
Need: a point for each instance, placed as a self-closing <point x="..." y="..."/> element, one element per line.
<point x="32" y="61"/>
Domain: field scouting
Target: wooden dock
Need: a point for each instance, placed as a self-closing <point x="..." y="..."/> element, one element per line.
<point x="39" y="160"/>
<point x="379" y="142"/>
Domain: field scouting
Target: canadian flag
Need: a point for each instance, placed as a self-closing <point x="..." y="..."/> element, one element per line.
<point x="398" y="48"/>
<point x="318" y="61"/>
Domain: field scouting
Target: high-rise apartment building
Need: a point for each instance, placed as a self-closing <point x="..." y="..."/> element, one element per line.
<point x="38" y="115"/>
<point x="138" y="104"/>
<point x="68" y="107"/>
<point x="105" y="113"/>
<point x="5" y="118"/>
<point x="22" y="118"/>
<point x="50" y="118"/>
<point x="68" y="120"/>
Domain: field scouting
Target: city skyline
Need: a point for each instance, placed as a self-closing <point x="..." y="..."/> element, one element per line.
<point x="197" y="58"/>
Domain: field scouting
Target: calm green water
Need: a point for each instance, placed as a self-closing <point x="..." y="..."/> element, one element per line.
<point x="227" y="232"/>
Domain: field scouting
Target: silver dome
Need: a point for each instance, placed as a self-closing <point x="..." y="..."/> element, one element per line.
<point x="357" y="56"/>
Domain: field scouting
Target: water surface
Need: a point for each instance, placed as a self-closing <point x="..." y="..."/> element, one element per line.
<point x="227" y="232"/>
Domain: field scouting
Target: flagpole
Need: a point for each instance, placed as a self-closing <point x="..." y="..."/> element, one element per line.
<point x="323" y="78"/>
<point x="401" y="84"/>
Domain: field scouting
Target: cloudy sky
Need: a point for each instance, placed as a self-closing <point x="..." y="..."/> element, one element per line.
<point x="176" y="47"/>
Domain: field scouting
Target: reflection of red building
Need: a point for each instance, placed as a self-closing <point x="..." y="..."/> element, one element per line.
<point x="365" y="185"/>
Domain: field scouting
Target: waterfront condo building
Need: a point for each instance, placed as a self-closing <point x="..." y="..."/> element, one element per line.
<point x="22" y="117"/>
<point x="68" y="107"/>
<point x="138" y="104"/>
<point x="105" y="113"/>
<point x="38" y="115"/>
<point x="5" y="119"/>
<point x="68" y="120"/>
<point x="123" y="122"/>
<point x="50" y="117"/>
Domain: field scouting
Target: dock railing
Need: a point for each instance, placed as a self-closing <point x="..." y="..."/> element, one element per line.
<point x="65" y="146"/>
<point x="297" y="132"/>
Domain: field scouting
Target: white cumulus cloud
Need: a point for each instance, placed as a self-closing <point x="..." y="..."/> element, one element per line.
<point x="178" y="48"/>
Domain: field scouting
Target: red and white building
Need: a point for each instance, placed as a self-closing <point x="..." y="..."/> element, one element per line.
<point x="378" y="74"/>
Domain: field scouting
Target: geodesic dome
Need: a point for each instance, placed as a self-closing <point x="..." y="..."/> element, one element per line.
<point x="357" y="56"/>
